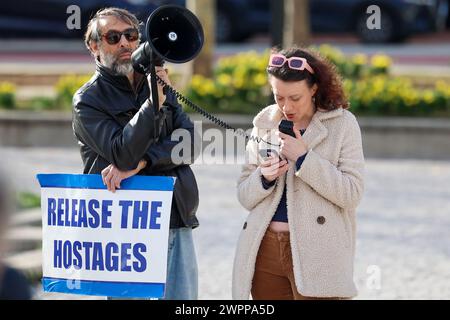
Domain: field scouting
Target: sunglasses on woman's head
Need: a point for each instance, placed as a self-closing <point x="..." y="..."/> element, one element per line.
<point x="114" y="36"/>
<point x="295" y="63"/>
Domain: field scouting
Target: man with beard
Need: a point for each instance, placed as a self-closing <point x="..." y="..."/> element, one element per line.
<point x="121" y="134"/>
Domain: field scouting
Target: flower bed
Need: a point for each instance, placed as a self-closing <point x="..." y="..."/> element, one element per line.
<point x="240" y="86"/>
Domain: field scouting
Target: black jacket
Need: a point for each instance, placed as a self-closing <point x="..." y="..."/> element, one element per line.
<point x="116" y="124"/>
<point x="14" y="285"/>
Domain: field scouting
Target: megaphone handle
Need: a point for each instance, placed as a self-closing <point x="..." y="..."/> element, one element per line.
<point x="154" y="87"/>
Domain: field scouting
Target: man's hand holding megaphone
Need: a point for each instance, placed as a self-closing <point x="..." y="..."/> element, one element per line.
<point x="163" y="74"/>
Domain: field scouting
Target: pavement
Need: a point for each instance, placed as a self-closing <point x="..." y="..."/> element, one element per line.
<point x="403" y="239"/>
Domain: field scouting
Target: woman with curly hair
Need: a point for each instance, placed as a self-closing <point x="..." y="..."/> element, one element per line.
<point x="301" y="191"/>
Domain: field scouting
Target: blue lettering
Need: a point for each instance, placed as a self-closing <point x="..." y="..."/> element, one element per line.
<point x="82" y="215"/>
<point x="51" y="212"/>
<point x="155" y="214"/>
<point x="97" y="257"/>
<point x="141" y="264"/>
<point x="67" y="254"/>
<point x="112" y="261"/>
<point x="125" y="208"/>
<point x="60" y="211"/>
<point x="106" y="213"/>
<point x="125" y="256"/>
<point x="87" y="247"/>
<point x="66" y="211"/>
<point x="74" y="213"/>
<point x="94" y="220"/>
<point x="140" y="215"/>
<point x="57" y="247"/>
<point x="77" y="262"/>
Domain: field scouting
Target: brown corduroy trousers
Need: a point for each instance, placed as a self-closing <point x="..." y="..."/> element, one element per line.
<point x="274" y="275"/>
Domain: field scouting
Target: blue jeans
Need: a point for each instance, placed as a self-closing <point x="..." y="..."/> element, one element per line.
<point x="182" y="272"/>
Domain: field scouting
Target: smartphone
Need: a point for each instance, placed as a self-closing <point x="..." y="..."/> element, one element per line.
<point x="287" y="127"/>
<point x="265" y="153"/>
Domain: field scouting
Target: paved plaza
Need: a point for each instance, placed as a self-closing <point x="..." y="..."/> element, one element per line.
<point x="403" y="241"/>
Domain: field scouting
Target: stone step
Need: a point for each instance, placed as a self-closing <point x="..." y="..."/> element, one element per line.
<point x="25" y="233"/>
<point x="29" y="262"/>
<point x="48" y="74"/>
<point x="24" y="238"/>
<point x="31" y="217"/>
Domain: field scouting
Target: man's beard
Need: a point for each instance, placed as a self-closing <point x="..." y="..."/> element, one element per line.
<point x="112" y="62"/>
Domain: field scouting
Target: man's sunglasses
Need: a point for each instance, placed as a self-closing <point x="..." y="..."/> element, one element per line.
<point x="114" y="36"/>
<point x="295" y="63"/>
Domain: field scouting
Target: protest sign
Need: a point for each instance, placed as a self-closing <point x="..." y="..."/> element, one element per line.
<point x="96" y="242"/>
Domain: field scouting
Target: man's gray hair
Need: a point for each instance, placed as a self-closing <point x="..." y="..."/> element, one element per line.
<point x="93" y="32"/>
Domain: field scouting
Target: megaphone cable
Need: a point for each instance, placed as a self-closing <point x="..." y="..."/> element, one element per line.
<point x="209" y="116"/>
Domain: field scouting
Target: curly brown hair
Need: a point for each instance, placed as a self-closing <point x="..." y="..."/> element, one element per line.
<point x="330" y="94"/>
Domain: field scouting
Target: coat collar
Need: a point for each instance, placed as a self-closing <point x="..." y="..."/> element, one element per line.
<point x="270" y="117"/>
<point x="119" y="81"/>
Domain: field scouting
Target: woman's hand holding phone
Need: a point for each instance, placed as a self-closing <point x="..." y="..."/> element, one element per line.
<point x="273" y="167"/>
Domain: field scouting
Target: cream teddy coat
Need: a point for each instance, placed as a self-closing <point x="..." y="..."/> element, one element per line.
<point x="321" y="200"/>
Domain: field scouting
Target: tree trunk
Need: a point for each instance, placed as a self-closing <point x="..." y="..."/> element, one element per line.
<point x="296" y="23"/>
<point x="277" y="22"/>
<point x="205" y="10"/>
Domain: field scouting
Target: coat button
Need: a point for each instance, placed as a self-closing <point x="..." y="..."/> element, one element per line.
<point x="245" y="226"/>
<point x="321" y="220"/>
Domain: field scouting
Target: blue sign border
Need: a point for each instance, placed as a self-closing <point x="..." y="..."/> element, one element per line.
<point x="94" y="181"/>
<point x="104" y="288"/>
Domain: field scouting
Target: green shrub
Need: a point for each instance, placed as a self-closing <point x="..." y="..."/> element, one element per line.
<point x="66" y="87"/>
<point x="27" y="200"/>
<point x="7" y="95"/>
<point x="381" y="95"/>
<point x="356" y="66"/>
<point x="240" y="85"/>
<point x="41" y="103"/>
